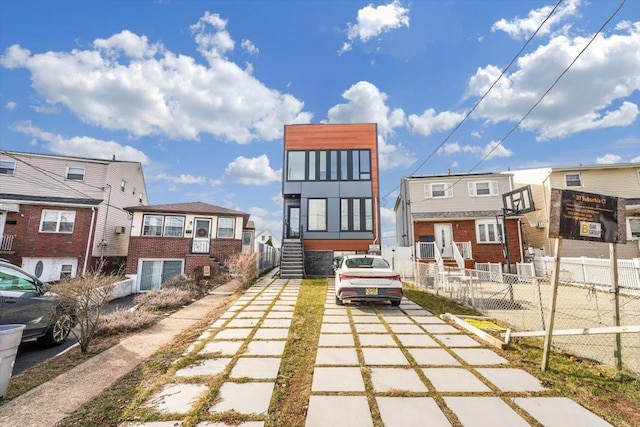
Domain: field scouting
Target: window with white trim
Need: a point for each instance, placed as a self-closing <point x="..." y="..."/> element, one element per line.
<point x="488" y="231"/>
<point x="438" y="190"/>
<point x="174" y="226"/>
<point x="152" y="225"/>
<point x="633" y="228"/>
<point x="483" y="188"/>
<point x="317" y="215"/>
<point x="7" y="167"/>
<point x="226" y="228"/>
<point x="573" y="179"/>
<point x="123" y="186"/>
<point x="66" y="271"/>
<point x="75" y="173"/>
<point x="57" y="221"/>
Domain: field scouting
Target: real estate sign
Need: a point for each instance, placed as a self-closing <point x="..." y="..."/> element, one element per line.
<point x="576" y="215"/>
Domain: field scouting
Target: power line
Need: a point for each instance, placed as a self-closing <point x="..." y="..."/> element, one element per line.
<point x="484" y="95"/>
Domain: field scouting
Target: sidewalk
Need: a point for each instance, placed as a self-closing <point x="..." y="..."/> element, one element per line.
<point x="43" y="407"/>
<point x="404" y="367"/>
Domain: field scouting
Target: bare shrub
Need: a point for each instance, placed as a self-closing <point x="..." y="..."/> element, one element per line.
<point x="243" y="267"/>
<point x="87" y="295"/>
<point x="184" y="283"/>
<point x="160" y="299"/>
<point x="119" y="321"/>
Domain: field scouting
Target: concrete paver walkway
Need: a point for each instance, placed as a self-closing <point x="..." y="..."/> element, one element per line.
<point x="403" y="365"/>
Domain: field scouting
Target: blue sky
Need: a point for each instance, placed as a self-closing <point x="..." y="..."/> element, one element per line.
<point x="199" y="91"/>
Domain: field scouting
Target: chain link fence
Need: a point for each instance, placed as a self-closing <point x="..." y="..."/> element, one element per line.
<point x="522" y="301"/>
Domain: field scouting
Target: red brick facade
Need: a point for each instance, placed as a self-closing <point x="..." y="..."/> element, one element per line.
<point x="30" y="242"/>
<point x="465" y="231"/>
<point x="180" y="248"/>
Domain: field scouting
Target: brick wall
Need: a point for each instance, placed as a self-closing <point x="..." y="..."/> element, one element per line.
<point x="465" y="231"/>
<point x="179" y="248"/>
<point x="30" y="242"/>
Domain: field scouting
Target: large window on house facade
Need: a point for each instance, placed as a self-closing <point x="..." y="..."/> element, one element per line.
<point x="7" y="167"/>
<point x="437" y="190"/>
<point x="488" y="231"/>
<point x="57" y="221"/>
<point x="483" y="188"/>
<point x="155" y="272"/>
<point x="573" y="179"/>
<point x="633" y="227"/>
<point x="75" y="173"/>
<point x="226" y="228"/>
<point x="317" y="215"/>
<point x="356" y="214"/>
<point x="329" y="165"/>
<point x="161" y="225"/>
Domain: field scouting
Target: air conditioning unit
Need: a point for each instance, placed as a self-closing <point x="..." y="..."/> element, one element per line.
<point x="120" y="229"/>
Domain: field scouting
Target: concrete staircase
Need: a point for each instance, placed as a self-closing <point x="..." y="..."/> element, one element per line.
<point x="291" y="260"/>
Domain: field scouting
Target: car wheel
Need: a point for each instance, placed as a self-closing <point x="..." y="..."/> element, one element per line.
<point x="395" y="302"/>
<point x="58" y="332"/>
<point x="339" y="301"/>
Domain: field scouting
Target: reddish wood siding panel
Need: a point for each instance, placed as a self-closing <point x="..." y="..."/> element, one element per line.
<point x="336" y="137"/>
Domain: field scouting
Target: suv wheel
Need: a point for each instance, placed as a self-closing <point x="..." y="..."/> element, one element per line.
<point x="58" y="332"/>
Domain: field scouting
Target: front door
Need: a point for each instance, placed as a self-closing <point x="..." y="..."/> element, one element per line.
<point x="293" y="222"/>
<point x="202" y="236"/>
<point x="443" y="238"/>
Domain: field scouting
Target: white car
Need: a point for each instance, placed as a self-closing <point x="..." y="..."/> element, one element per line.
<point x="367" y="278"/>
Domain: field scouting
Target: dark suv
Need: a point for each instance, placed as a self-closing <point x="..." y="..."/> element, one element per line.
<point x="25" y="300"/>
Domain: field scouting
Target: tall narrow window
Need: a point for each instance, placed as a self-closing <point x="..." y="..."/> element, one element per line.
<point x="355" y="214"/>
<point x="123" y="186"/>
<point x="295" y="165"/>
<point x="334" y="165"/>
<point x="317" y="215"/>
<point x="344" y="165"/>
<point x="312" y="165"/>
<point x="365" y="165"/>
<point x="344" y="214"/>
<point x="323" y="166"/>
<point x="368" y="215"/>
<point x="355" y="165"/>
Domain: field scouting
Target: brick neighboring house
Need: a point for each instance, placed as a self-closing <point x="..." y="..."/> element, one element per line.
<point x="616" y="180"/>
<point x="183" y="238"/>
<point x="59" y="215"/>
<point x="456" y="219"/>
<point x="331" y="195"/>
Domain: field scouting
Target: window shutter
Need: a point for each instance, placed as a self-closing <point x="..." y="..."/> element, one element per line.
<point x="494" y="188"/>
<point x="472" y="189"/>
<point x="427" y="191"/>
<point x="448" y="188"/>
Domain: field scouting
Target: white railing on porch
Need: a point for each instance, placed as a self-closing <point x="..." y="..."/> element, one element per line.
<point x="6" y="242"/>
<point x="429" y="250"/>
<point x="200" y="246"/>
<point x="458" y="256"/>
<point x="465" y="249"/>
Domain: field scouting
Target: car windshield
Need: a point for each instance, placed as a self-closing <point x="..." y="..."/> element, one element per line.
<point x="366" y="262"/>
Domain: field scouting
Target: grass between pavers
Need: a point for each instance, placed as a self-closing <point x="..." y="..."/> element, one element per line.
<point x="606" y="392"/>
<point x="290" y="398"/>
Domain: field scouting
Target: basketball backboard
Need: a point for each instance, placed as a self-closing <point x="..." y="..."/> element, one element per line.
<point x="518" y="201"/>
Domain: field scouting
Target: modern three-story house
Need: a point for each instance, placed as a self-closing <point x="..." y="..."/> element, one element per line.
<point x="331" y="195"/>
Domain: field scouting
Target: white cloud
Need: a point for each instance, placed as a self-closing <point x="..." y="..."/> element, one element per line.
<point x="11" y="105"/>
<point x="373" y="21"/>
<point x="181" y="179"/>
<point x="82" y="146"/>
<point x="491" y="150"/>
<point x="430" y="122"/>
<point x="635" y="159"/>
<point x="366" y="104"/>
<point x="608" y="159"/>
<point x="569" y="108"/>
<point x="254" y="171"/>
<point x="249" y="47"/>
<point x="522" y="28"/>
<point x="124" y="82"/>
